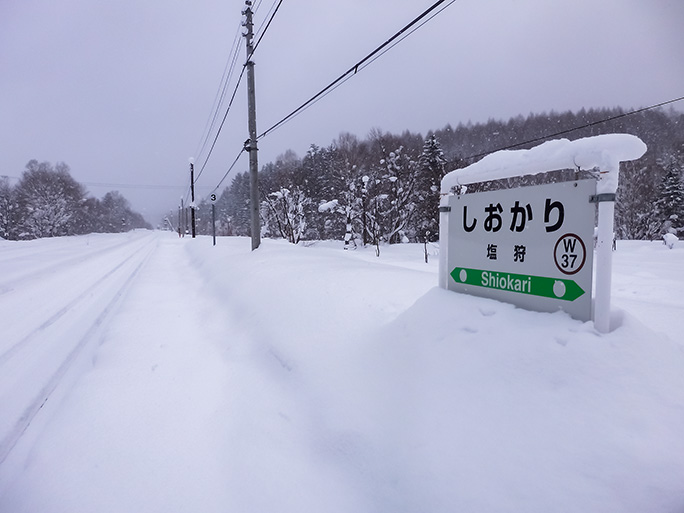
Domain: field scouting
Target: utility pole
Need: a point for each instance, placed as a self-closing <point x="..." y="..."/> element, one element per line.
<point x="182" y="210"/>
<point x="192" y="193"/>
<point x="251" y="143"/>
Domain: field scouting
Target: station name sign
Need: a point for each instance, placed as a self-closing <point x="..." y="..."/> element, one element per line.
<point x="530" y="246"/>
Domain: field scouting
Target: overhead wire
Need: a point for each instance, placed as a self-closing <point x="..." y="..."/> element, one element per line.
<point x="223" y="86"/>
<point x="366" y="64"/>
<point x="220" y="92"/>
<point x="574" y="129"/>
<point x="237" y="85"/>
<point x="395" y="43"/>
<point x="256" y="6"/>
<point x="218" y="132"/>
<point x="402" y="34"/>
<point x="273" y="11"/>
<point x="359" y="65"/>
<point x="529" y="141"/>
<point x="229" y="169"/>
<point x="263" y="22"/>
<point x="268" y="24"/>
<point x="398" y="37"/>
<point x="133" y="185"/>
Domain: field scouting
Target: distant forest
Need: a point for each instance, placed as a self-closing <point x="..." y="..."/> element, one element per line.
<point x="385" y="188"/>
<point x="48" y="202"/>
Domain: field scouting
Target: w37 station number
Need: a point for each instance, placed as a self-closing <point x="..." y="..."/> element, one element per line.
<point x="570" y="254"/>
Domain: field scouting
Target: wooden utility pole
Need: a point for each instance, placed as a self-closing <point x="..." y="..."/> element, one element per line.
<point x="251" y="143"/>
<point x="184" y="216"/>
<point x="192" y="194"/>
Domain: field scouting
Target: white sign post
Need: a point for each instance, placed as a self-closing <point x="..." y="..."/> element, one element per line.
<point x="604" y="261"/>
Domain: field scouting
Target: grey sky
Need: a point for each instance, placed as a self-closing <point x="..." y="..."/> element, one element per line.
<point x="121" y="91"/>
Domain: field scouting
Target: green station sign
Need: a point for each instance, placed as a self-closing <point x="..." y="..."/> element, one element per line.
<point x="553" y="288"/>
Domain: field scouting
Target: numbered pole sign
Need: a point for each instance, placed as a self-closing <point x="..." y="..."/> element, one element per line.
<point x="213" y="197"/>
<point x="530" y="246"/>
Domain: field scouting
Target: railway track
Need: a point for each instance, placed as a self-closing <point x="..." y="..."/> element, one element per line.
<point x="52" y="316"/>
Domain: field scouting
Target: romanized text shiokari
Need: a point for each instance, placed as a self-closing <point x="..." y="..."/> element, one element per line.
<point x="505" y="281"/>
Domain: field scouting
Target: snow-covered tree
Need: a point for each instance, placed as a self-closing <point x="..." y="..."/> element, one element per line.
<point x="432" y="169"/>
<point x="670" y="203"/>
<point x="342" y="206"/>
<point x="385" y="205"/>
<point x="372" y="196"/>
<point x="284" y="213"/>
<point x="398" y="202"/>
<point x="118" y="215"/>
<point x="233" y="206"/>
<point x="7" y="207"/>
<point x="636" y="194"/>
<point x="47" y="200"/>
<point x="346" y="210"/>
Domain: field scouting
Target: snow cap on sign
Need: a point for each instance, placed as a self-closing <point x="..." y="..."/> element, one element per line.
<point x="604" y="152"/>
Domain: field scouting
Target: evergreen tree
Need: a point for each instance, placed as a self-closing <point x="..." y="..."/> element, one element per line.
<point x="670" y="204"/>
<point x="233" y="206"/>
<point x="385" y="188"/>
<point x="117" y="215"/>
<point x="7" y="207"/>
<point x="432" y="169"/>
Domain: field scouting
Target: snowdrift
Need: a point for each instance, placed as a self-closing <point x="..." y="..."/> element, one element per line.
<point x="308" y="378"/>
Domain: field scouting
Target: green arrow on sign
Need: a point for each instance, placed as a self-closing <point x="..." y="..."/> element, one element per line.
<point x="553" y="288"/>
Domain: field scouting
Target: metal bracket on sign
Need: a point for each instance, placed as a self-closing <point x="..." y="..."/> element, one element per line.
<point x="599" y="198"/>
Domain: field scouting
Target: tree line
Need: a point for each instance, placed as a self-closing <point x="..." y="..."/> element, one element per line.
<point x="382" y="189"/>
<point x="48" y="202"/>
<point x="385" y="188"/>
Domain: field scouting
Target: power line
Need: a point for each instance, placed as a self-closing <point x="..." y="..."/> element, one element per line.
<point x="537" y="139"/>
<point x="261" y="36"/>
<point x="230" y="104"/>
<point x="574" y="129"/>
<point x="365" y="65"/>
<point x="229" y="169"/>
<point x="395" y="43"/>
<point x="232" y="99"/>
<point x="402" y="34"/>
<point x="263" y="22"/>
<point x="133" y="185"/>
<point x="221" y="91"/>
<point x="371" y="57"/>
<point x="354" y="69"/>
<point x="256" y="7"/>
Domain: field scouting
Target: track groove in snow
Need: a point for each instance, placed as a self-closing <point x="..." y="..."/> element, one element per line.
<point x="53" y="340"/>
<point x="21" y="266"/>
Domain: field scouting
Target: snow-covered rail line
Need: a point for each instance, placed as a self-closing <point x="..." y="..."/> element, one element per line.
<point x="35" y="332"/>
<point x="18" y="266"/>
<point x="42" y="354"/>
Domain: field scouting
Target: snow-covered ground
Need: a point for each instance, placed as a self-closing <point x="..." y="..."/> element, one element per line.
<point x="308" y="378"/>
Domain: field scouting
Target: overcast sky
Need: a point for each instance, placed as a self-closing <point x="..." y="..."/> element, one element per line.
<point x="121" y="90"/>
